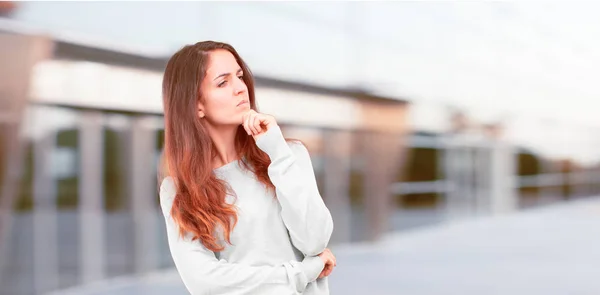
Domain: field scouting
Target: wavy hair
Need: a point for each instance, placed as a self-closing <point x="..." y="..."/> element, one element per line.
<point x="200" y="205"/>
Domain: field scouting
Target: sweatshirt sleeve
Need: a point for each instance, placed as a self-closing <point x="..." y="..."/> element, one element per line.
<point x="202" y="273"/>
<point x="303" y="211"/>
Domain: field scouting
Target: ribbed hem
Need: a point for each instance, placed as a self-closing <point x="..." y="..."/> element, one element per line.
<point x="312" y="266"/>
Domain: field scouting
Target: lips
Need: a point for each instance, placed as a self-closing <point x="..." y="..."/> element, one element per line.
<point x="242" y="102"/>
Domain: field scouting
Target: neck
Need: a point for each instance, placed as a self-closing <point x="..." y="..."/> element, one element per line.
<point x="224" y="141"/>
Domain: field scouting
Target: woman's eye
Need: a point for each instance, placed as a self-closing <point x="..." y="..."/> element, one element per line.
<point x="222" y="84"/>
<point x="241" y="77"/>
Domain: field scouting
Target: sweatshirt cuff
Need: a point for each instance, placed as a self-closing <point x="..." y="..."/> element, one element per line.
<point x="312" y="266"/>
<point x="273" y="143"/>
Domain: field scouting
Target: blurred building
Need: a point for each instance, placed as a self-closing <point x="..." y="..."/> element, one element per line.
<point x="82" y="125"/>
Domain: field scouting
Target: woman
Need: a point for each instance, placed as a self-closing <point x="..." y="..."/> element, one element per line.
<point x="241" y="204"/>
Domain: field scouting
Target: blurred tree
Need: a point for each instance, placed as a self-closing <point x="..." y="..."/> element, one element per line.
<point x="115" y="185"/>
<point x="421" y="165"/>
<point x="24" y="201"/>
<point x="568" y="166"/>
<point x="528" y="165"/>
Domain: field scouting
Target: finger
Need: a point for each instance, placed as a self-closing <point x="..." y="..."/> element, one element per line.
<point x="326" y="267"/>
<point x="332" y="257"/>
<point x="270" y="120"/>
<point x="247" y="124"/>
<point x="257" y="126"/>
<point x="265" y="120"/>
<point x="252" y="125"/>
<point x="322" y="274"/>
<point x="260" y="118"/>
<point x="328" y="271"/>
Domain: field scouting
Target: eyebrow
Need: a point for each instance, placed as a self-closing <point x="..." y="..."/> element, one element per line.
<point x="226" y="74"/>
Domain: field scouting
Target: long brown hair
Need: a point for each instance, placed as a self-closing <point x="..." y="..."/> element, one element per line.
<point x="200" y="205"/>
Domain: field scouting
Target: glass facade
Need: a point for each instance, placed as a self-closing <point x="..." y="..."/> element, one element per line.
<point x="93" y="134"/>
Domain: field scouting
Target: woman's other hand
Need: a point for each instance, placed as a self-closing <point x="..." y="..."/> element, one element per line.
<point x="329" y="260"/>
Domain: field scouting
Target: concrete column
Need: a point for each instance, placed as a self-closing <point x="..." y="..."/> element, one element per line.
<point x="337" y="152"/>
<point x="443" y="151"/>
<point x="18" y="56"/>
<point x="504" y="193"/>
<point x="143" y="192"/>
<point x="45" y="240"/>
<point x="91" y="197"/>
<point x="458" y="170"/>
<point x="482" y="173"/>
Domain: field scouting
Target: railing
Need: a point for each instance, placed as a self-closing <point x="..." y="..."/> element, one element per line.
<point x="483" y="173"/>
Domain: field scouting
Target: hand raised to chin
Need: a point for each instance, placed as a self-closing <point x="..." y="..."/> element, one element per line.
<point x="256" y="123"/>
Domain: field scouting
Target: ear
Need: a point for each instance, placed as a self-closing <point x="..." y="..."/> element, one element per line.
<point x="201" y="113"/>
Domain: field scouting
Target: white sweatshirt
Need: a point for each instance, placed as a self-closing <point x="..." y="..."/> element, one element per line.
<point x="276" y="240"/>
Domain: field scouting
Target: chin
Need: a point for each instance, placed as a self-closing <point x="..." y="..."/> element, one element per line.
<point x="238" y="119"/>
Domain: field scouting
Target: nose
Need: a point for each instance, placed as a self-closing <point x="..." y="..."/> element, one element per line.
<point x="239" y="87"/>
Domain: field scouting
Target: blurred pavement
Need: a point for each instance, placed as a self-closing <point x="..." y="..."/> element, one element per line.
<point x="549" y="250"/>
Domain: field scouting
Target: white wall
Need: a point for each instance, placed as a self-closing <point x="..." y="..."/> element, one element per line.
<point x="539" y="60"/>
<point x="506" y="57"/>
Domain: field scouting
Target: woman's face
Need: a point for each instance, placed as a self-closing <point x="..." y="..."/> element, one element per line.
<point x="224" y="94"/>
